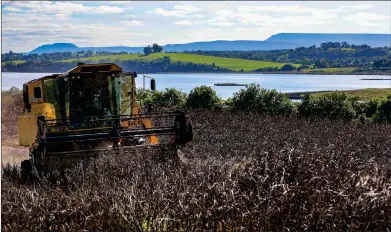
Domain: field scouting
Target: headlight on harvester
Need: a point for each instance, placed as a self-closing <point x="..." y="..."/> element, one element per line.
<point x="141" y="141"/>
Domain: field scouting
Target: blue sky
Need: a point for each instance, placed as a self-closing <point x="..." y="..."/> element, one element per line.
<point x="27" y="25"/>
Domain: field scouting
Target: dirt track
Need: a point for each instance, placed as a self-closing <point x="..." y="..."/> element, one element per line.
<point x="12" y="153"/>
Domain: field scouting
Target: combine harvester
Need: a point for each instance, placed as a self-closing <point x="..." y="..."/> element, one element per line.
<point x="89" y="111"/>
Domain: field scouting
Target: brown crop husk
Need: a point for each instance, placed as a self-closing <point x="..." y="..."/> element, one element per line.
<point x="242" y="172"/>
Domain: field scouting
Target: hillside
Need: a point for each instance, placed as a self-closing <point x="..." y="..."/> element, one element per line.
<point x="309" y="39"/>
<point x="230" y="63"/>
<point x="221" y="45"/>
<point x="278" y="41"/>
<point x="56" y="47"/>
<point x="225" y="45"/>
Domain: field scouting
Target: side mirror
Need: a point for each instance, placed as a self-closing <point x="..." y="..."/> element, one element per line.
<point x="153" y="84"/>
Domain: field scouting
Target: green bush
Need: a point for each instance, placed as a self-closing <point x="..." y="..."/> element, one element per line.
<point x="268" y="102"/>
<point x="203" y="97"/>
<point x="334" y="106"/>
<point x="245" y="99"/>
<point x="168" y="98"/>
<point x="371" y="108"/>
<point x="383" y="113"/>
<point x="145" y="96"/>
<point x="366" y="109"/>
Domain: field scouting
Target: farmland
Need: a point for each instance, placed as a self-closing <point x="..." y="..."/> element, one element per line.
<point x="230" y="63"/>
<point x="242" y="172"/>
<point x="364" y="94"/>
<point x="14" y="62"/>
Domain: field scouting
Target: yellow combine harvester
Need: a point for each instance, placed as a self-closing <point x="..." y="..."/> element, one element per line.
<point x="91" y="110"/>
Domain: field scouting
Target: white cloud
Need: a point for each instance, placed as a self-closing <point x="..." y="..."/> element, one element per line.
<point x="108" y="23"/>
<point x="11" y="9"/>
<point x="255" y="16"/>
<point x="357" y="7"/>
<point x="180" y="11"/>
<point x="187" y="9"/>
<point x="67" y="8"/>
<point x="129" y="16"/>
<point x="133" y="23"/>
<point x="183" y="23"/>
<point x="107" y="9"/>
<point x="368" y="19"/>
<point x="296" y="9"/>
<point x="277" y="9"/>
<point x="119" y="2"/>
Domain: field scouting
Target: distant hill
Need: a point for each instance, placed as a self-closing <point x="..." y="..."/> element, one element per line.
<point x="220" y="45"/>
<point x="114" y="49"/>
<point x="309" y="39"/>
<point x="225" y="45"/>
<point x="278" y="41"/>
<point x="56" y="47"/>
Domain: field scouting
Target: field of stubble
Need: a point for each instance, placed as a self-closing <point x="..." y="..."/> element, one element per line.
<point x="242" y="172"/>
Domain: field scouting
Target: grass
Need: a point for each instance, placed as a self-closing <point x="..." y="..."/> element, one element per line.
<point x="13" y="61"/>
<point x="364" y="94"/>
<point x="329" y="70"/>
<point x="343" y="49"/>
<point x="230" y="63"/>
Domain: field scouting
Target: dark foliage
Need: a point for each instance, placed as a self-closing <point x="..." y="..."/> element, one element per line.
<point x="264" y="101"/>
<point x="203" y="97"/>
<point x="330" y="54"/>
<point x="335" y="106"/>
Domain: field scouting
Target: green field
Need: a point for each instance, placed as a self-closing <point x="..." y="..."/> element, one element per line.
<point x="364" y="94"/>
<point x="14" y="62"/>
<point x="343" y="49"/>
<point x="230" y="63"/>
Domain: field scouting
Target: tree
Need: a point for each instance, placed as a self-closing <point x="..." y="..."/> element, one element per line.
<point x="203" y="97"/>
<point x="383" y="63"/>
<point x="288" y="67"/>
<point x="156" y="48"/>
<point x="147" y="50"/>
<point x="345" y="45"/>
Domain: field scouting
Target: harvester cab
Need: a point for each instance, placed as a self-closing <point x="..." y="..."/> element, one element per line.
<point x="90" y="110"/>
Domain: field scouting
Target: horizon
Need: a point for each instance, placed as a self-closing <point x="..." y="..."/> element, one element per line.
<point x="28" y="25"/>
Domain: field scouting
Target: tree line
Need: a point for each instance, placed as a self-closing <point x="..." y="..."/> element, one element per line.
<point x="327" y="55"/>
<point x="153" y="66"/>
<point x="333" y="106"/>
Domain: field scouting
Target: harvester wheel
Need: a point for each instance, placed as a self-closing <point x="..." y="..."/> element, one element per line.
<point x="26" y="169"/>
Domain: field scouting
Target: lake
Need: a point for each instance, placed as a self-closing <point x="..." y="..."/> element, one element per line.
<point x="281" y="82"/>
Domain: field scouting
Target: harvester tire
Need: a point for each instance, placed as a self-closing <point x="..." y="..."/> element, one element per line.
<point x="25" y="169"/>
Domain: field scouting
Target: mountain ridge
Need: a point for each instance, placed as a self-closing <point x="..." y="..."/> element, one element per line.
<point x="274" y="42"/>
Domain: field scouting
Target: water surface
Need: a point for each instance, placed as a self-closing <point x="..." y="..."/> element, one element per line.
<point x="281" y="82"/>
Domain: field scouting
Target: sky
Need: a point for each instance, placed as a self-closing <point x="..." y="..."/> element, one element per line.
<point x="27" y="25"/>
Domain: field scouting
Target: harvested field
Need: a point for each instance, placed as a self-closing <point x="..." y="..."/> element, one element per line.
<point x="243" y="172"/>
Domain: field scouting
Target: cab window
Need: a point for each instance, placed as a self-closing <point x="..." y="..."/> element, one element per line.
<point x="37" y="92"/>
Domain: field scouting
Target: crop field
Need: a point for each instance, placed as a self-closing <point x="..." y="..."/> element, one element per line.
<point x="364" y="94"/>
<point x="13" y="61"/>
<point x="242" y="172"/>
<point x="230" y="63"/>
<point x="343" y="49"/>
